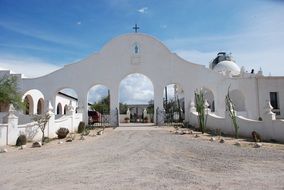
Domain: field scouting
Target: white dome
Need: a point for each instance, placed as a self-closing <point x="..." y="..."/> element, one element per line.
<point x="225" y="66"/>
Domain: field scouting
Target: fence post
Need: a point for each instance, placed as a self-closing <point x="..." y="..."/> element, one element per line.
<point x="70" y="112"/>
<point x="51" y="121"/>
<point x="12" y="120"/>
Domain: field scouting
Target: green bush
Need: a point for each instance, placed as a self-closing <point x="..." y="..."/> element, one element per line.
<point x="22" y="140"/>
<point x="81" y="127"/>
<point x="62" y="133"/>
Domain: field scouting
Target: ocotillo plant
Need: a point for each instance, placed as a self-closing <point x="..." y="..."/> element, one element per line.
<point x="230" y="107"/>
<point x="200" y="108"/>
<point x="41" y="121"/>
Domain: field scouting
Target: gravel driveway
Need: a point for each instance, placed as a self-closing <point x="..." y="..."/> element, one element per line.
<point x="142" y="158"/>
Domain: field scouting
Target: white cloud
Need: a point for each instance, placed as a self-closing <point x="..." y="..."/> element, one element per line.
<point x="136" y="89"/>
<point x="143" y="10"/>
<point x="164" y="26"/>
<point x="96" y="93"/>
<point x="29" y="66"/>
<point x="258" y="43"/>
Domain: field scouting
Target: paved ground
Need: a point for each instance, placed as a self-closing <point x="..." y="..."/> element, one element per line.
<point x="142" y="158"/>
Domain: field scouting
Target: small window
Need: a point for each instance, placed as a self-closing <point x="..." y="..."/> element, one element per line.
<point x="136" y="48"/>
<point x="274" y="100"/>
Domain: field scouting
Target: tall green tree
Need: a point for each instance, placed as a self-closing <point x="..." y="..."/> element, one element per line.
<point x="122" y="108"/>
<point x="102" y="106"/>
<point x="9" y="93"/>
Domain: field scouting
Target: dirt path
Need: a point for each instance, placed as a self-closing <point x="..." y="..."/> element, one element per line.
<point x="142" y="158"/>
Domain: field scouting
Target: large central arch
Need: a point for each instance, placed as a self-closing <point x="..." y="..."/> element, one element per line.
<point x="136" y="99"/>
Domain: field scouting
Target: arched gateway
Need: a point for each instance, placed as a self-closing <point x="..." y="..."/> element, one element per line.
<point x="124" y="55"/>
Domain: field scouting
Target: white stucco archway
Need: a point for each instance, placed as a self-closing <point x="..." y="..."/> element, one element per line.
<point x="119" y="58"/>
<point x="137" y="93"/>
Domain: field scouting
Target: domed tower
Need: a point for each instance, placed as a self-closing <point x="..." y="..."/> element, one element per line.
<point x="225" y="63"/>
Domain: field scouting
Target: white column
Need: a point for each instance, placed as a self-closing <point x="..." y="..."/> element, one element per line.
<point x="83" y="106"/>
<point x="12" y="121"/>
<point x="114" y="102"/>
<point x="114" y="106"/>
<point x="51" y="122"/>
<point x="158" y="100"/>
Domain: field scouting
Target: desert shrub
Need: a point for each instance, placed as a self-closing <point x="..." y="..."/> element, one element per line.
<point x="62" y="133"/>
<point x="86" y="132"/>
<point x="22" y="140"/>
<point x="255" y="136"/>
<point x="46" y="140"/>
<point x="81" y="127"/>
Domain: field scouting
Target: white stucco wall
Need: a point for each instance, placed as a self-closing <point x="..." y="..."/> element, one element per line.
<point x="116" y="60"/>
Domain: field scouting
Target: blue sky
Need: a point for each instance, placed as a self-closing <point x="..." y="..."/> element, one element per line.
<point x="45" y="35"/>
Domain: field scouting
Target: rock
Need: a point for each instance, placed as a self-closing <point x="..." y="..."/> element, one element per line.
<point x="222" y="141"/>
<point x="257" y="145"/>
<point x="3" y="150"/>
<point x="60" y="142"/>
<point x="22" y="147"/>
<point x="237" y="143"/>
<point x="82" y="138"/>
<point x="36" y="144"/>
<point x="196" y="135"/>
<point x="212" y="139"/>
<point x="69" y="140"/>
<point x="100" y="132"/>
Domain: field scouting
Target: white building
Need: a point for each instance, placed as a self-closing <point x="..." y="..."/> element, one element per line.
<point x="141" y="53"/>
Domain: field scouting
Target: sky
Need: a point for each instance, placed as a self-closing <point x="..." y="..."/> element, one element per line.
<point x="37" y="36"/>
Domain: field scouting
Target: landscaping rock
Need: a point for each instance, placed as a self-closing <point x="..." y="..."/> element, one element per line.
<point x="196" y="135"/>
<point x="69" y="140"/>
<point x="22" y="147"/>
<point x="222" y="141"/>
<point x="257" y="145"/>
<point x="3" y="150"/>
<point x="100" y="132"/>
<point x="60" y="142"/>
<point x="37" y="144"/>
<point x="237" y="143"/>
<point x="212" y="139"/>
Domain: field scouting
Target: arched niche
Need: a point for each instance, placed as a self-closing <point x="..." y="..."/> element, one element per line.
<point x="209" y="96"/>
<point x="65" y="109"/>
<point x="59" y="109"/>
<point x="29" y="105"/>
<point x="40" y="106"/>
<point x="34" y="102"/>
